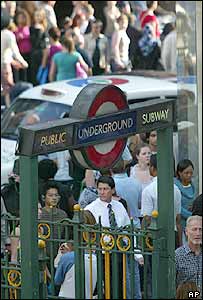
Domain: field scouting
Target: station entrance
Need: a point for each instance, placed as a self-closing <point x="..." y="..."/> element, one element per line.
<point x="95" y="134"/>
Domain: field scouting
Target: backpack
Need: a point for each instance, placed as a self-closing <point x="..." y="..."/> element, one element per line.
<point x="11" y="197"/>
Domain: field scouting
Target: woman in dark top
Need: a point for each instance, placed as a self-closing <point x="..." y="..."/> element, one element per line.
<point x="39" y="40"/>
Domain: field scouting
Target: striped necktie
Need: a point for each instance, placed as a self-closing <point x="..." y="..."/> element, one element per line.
<point x="112" y="219"/>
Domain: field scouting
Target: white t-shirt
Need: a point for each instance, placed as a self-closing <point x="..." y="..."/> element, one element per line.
<point x="68" y="286"/>
<point x="149" y="200"/>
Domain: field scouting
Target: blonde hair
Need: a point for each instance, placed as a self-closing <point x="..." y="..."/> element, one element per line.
<point x="43" y="17"/>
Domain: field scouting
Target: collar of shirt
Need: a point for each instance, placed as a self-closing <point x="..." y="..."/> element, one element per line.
<point x="96" y="37"/>
<point x="104" y="203"/>
<point x="189" y="250"/>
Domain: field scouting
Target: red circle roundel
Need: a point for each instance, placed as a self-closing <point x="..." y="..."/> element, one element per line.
<point x="109" y="100"/>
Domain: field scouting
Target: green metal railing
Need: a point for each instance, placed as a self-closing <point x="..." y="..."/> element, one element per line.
<point x="113" y="248"/>
<point x="10" y="271"/>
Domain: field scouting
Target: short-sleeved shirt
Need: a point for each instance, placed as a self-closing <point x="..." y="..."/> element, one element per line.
<point x="150" y="196"/>
<point x="188" y="266"/>
<point x="66" y="65"/>
<point x="53" y="50"/>
<point x="65" y="275"/>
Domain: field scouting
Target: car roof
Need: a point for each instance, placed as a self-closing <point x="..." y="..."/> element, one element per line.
<point x="135" y="87"/>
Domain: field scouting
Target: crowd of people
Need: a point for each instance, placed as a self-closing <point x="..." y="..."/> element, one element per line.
<point x="127" y="190"/>
<point x="36" y="50"/>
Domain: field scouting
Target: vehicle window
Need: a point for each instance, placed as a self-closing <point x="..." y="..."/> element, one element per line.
<point x="30" y="111"/>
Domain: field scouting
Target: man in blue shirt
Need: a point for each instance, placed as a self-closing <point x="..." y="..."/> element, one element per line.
<point x="129" y="189"/>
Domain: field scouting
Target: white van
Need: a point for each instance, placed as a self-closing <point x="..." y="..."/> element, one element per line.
<point x="51" y="101"/>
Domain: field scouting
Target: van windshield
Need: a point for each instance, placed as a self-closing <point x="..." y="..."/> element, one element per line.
<point x="28" y="112"/>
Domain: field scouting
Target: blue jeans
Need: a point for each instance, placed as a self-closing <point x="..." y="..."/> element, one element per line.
<point x="137" y="289"/>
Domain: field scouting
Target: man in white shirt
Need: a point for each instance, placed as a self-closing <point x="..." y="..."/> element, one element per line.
<point x="113" y="214"/>
<point x="149" y="200"/>
<point x="100" y="207"/>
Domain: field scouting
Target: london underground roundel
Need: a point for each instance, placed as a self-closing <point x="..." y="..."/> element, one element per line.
<point x="82" y="82"/>
<point x="93" y="101"/>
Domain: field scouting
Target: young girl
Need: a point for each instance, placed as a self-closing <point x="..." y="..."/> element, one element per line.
<point x="141" y="170"/>
<point x="63" y="65"/>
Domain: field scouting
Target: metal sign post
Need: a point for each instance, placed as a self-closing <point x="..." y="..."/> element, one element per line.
<point x="28" y="227"/>
<point x="166" y="274"/>
<point x="96" y="135"/>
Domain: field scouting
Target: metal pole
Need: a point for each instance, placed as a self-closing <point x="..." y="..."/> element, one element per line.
<point x="79" y="259"/>
<point x="28" y="227"/>
<point x="166" y="274"/>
